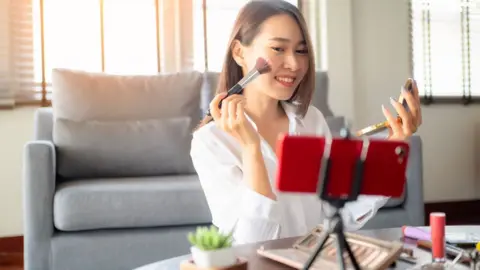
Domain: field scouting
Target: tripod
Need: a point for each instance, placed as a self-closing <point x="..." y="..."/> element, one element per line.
<point x="336" y="225"/>
<point x="341" y="242"/>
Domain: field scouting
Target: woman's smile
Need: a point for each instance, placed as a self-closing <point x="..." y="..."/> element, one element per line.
<point x="286" y="81"/>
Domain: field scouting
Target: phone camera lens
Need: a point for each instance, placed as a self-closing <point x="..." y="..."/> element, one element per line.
<point x="400" y="151"/>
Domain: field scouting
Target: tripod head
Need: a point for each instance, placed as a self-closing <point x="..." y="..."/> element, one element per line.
<point x="324" y="179"/>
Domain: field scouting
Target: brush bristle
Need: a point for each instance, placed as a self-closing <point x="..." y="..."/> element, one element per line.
<point x="262" y="65"/>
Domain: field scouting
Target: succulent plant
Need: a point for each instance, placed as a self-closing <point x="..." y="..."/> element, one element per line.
<point x="210" y="238"/>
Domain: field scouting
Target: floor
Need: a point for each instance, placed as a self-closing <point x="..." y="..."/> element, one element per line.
<point x="11" y="253"/>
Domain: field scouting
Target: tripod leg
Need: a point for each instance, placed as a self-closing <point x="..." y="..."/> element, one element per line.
<point x="323" y="239"/>
<point x="346" y="246"/>
<point x="340" y="249"/>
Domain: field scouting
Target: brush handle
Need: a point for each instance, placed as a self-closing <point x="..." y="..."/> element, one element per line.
<point x="236" y="89"/>
<point x="249" y="77"/>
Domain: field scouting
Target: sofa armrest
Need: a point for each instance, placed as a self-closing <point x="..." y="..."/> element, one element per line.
<point x="39" y="188"/>
<point x="43" y="124"/>
<point x="414" y="203"/>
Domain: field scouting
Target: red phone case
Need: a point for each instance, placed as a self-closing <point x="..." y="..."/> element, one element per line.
<point x="299" y="160"/>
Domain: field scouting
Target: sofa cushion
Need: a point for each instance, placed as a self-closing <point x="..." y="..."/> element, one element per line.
<point x="117" y="125"/>
<point x="130" y="203"/>
<point x="320" y="95"/>
<point x="335" y="124"/>
<point x="124" y="148"/>
<point x="81" y="96"/>
<point x="209" y="89"/>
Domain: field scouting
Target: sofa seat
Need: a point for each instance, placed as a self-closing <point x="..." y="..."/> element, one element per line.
<point x="396" y="202"/>
<point x="89" y="204"/>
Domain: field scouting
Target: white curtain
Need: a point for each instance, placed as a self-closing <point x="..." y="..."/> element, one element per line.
<point x="313" y="10"/>
<point x="177" y="35"/>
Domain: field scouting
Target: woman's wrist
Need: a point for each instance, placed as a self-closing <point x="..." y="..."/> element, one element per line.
<point x="252" y="148"/>
<point x="255" y="170"/>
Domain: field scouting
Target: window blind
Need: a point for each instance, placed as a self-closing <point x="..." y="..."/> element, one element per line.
<point x="16" y="53"/>
<point x="446" y="49"/>
<point x="6" y="97"/>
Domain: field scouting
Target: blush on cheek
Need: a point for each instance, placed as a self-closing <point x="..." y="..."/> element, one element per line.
<point x="275" y="62"/>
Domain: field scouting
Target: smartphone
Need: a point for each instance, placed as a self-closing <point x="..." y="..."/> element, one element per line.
<point x="373" y="129"/>
<point x="300" y="164"/>
<point x="409" y="87"/>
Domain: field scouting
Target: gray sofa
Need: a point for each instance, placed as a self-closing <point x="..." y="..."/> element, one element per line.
<point x="108" y="182"/>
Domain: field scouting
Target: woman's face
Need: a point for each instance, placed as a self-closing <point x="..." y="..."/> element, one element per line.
<point x="281" y="42"/>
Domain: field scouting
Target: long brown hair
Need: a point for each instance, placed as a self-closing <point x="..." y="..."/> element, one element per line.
<point x="247" y="26"/>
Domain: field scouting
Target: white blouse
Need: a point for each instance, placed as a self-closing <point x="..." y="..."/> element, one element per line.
<point x="253" y="217"/>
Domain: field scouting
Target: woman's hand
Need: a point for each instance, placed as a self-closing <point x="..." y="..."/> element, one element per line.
<point x="411" y="119"/>
<point x="231" y="118"/>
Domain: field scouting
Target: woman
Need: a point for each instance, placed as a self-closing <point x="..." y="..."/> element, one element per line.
<point x="234" y="155"/>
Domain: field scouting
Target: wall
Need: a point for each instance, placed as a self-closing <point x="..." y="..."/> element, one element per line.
<point x="376" y="37"/>
<point x="368" y="60"/>
<point x="16" y="127"/>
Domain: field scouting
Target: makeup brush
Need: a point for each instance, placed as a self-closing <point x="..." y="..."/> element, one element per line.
<point x="262" y="66"/>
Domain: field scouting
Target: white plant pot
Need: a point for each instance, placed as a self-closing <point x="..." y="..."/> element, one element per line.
<point x="213" y="258"/>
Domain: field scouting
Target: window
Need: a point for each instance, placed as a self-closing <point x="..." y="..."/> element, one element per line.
<point x="220" y="16"/>
<point x="113" y="36"/>
<point x="446" y="49"/>
<point x="117" y="37"/>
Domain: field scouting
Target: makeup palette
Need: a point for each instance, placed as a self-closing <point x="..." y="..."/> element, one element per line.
<point x="370" y="253"/>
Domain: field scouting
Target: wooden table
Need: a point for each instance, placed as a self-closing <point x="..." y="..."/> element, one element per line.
<point x="257" y="262"/>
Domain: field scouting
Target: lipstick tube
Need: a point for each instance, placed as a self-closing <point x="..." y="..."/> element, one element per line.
<point x="437" y="230"/>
